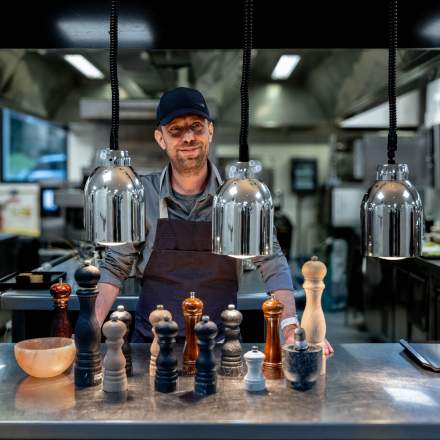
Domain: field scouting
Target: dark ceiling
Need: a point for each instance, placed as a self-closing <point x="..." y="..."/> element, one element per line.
<point x="207" y="25"/>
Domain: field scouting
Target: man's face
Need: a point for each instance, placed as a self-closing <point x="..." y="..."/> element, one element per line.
<point x="186" y="142"/>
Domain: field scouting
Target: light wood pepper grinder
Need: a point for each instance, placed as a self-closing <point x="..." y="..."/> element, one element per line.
<point x="155" y="316"/>
<point x="124" y="316"/>
<point x="313" y="320"/>
<point x="272" y="365"/>
<point x="192" y="309"/>
<point x="60" y="322"/>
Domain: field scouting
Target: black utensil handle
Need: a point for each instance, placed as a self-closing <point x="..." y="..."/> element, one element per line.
<point x="417" y="356"/>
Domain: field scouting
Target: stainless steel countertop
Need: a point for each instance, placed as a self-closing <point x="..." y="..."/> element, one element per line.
<point x="250" y="296"/>
<point x="370" y="391"/>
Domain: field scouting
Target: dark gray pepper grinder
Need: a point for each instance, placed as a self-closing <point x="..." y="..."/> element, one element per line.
<point x="166" y="362"/>
<point x="124" y="316"/>
<point x="231" y="363"/>
<point x="206" y="376"/>
<point x="88" y="366"/>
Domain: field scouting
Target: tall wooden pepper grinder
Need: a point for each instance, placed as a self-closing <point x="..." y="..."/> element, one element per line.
<point x="124" y="316"/>
<point x="313" y="320"/>
<point x="166" y="364"/>
<point x="231" y="363"/>
<point x="192" y="309"/>
<point x="155" y="316"/>
<point x="206" y="376"/>
<point x="88" y="368"/>
<point x="115" y="376"/>
<point x="272" y="366"/>
<point x="60" y="322"/>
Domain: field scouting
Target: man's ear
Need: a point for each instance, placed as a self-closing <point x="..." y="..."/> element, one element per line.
<point x="210" y="131"/>
<point x="158" y="135"/>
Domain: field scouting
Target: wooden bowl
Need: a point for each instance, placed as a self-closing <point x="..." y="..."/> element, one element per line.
<point x="45" y="357"/>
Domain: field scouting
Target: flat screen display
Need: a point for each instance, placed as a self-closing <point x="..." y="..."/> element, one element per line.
<point x="33" y="150"/>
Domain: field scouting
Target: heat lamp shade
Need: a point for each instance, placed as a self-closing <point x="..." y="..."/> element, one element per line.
<point x="242" y="216"/>
<point x="114" y="203"/>
<point x="392" y="215"/>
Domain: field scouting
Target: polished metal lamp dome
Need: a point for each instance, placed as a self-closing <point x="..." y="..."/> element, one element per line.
<point x="114" y="209"/>
<point x="242" y="211"/>
<point x="242" y="219"/>
<point x="392" y="215"/>
<point x="114" y="202"/>
<point x="391" y="210"/>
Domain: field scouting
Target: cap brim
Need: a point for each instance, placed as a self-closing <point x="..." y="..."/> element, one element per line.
<point x="181" y="112"/>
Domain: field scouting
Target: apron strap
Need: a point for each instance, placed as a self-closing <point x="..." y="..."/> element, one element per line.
<point x="163" y="208"/>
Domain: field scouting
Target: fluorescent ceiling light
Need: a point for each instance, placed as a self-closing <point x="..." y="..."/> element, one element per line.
<point x="84" y="66"/>
<point x="285" y="66"/>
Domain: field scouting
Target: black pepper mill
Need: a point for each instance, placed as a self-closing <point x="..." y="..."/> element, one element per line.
<point x="88" y="367"/>
<point x="124" y="316"/>
<point x="166" y="362"/>
<point x="206" y="376"/>
<point x="231" y="363"/>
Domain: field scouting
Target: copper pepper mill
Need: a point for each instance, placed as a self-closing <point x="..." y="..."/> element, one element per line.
<point x="272" y="366"/>
<point x="192" y="309"/>
<point x="60" y="322"/>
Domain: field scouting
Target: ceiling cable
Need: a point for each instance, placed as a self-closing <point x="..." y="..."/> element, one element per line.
<point x="114" y="133"/>
<point x="245" y="77"/>
<point x="392" y="132"/>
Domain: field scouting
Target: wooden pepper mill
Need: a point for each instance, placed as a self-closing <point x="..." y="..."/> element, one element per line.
<point x="155" y="316"/>
<point x="206" y="376"/>
<point x="60" y="322"/>
<point x="115" y="376"/>
<point x="124" y="316"/>
<point x="166" y="363"/>
<point x="272" y="365"/>
<point x="231" y="363"/>
<point x="313" y="320"/>
<point x="192" y="309"/>
<point x="88" y="368"/>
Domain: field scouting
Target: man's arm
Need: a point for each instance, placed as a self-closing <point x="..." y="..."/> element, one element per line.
<point x="115" y="268"/>
<point x="104" y="301"/>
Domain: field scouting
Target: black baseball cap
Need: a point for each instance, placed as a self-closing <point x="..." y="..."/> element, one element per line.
<point x="181" y="101"/>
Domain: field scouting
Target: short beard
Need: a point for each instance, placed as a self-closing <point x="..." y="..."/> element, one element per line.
<point x="189" y="167"/>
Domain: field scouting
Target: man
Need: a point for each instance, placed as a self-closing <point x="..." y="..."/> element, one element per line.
<point x="176" y="257"/>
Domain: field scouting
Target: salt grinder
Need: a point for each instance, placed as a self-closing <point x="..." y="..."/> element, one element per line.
<point x="166" y="363"/>
<point x="254" y="379"/>
<point x="124" y="316"/>
<point x="272" y="366"/>
<point x="60" y="322"/>
<point x="313" y="320"/>
<point x="192" y="309"/>
<point x="155" y="316"/>
<point x="88" y="368"/>
<point x="231" y="363"/>
<point x="115" y="376"/>
<point x="206" y="376"/>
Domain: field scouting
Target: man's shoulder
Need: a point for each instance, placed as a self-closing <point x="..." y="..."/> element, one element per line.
<point x="151" y="180"/>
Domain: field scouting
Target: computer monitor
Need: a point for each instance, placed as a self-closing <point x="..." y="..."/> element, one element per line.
<point x="33" y="149"/>
<point x="48" y="206"/>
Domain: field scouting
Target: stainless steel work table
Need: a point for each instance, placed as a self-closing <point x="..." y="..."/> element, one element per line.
<point x="370" y="391"/>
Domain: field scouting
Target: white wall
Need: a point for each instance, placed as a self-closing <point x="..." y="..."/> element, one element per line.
<point x="277" y="157"/>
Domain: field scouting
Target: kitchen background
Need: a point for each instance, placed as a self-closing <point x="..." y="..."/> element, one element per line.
<point x="319" y="134"/>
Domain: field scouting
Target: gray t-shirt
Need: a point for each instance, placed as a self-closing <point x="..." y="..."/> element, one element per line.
<point x="187" y="201"/>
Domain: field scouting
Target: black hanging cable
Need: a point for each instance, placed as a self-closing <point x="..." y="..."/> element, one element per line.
<point x="114" y="134"/>
<point x="245" y="77"/>
<point x="392" y="132"/>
